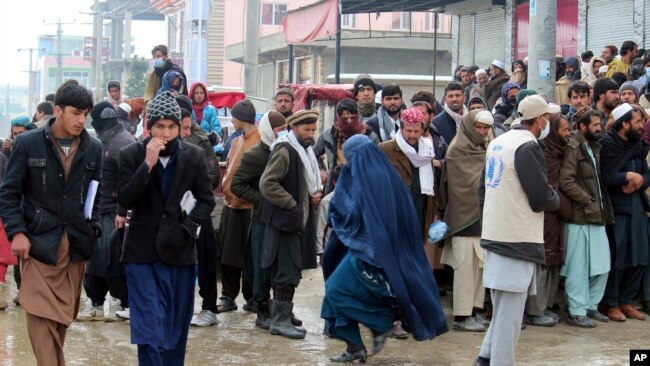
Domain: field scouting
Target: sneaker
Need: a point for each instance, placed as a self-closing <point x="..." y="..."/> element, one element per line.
<point x="469" y="325"/>
<point x="204" y="318"/>
<point x="540" y="321"/>
<point x="123" y="314"/>
<point x="114" y="306"/>
<point x="482" y="320"/>
<point x="91" y="313"/>
<point x="581" y="321"/>
<point x="597" y="315"/>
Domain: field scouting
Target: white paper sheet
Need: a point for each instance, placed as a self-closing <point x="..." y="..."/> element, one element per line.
<point x="90" y="199"/>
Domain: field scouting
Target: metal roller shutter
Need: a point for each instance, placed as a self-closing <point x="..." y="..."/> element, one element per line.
<point x="646" y="24"/>
<point x="490" y="37"/>
<point x="609" y="22"/>
<point x="465" y="41"/>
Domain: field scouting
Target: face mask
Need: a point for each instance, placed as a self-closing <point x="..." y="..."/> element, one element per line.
<point x="158" y="63"/>
<point x="545" y="131"/>
<point x="283" y="133"/>
<point x="511" y="102"/>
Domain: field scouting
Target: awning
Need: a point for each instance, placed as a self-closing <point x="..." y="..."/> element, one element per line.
<point x="311" y="22"/>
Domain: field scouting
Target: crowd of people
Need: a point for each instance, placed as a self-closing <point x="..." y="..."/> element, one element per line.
<point x="537" y="196"/>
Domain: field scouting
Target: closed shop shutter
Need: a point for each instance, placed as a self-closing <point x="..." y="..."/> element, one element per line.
<point x="609" y="22"/>
<point x="646" y="24"/>
<point x="465" y="41"/>
<point x="490" y="37"/>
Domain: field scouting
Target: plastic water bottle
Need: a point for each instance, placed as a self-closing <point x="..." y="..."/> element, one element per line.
<point x="437" y="231"/>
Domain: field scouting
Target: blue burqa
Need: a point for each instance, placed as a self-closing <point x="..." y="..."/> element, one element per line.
<point x="373" y="217"/>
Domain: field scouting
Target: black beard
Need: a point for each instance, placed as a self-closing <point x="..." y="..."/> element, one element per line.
<point x="287" y="114"/>
<point x="590" y="136"/>
<point x="633" y="136"/>
<point x="305" y="143"/>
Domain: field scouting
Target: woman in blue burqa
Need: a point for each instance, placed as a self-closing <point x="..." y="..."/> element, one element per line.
<point x="374" y="264"/>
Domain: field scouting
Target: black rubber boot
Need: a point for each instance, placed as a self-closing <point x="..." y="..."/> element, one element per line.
<point x="263" y="315"/>
<point x="295" y="321"/>
<point x="281" y="320"/>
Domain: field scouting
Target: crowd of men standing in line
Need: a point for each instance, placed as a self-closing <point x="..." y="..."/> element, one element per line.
<point x="531" y="191"/>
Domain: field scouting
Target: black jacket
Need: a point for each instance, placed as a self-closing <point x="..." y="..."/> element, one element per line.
<point x="200" y="138"/>
<point x="446" y="126"/>
<point x="37" y="201"/>
<point x="160" y="231"/>
<point x="246" y="182"/>
<point x="113" y="139"/>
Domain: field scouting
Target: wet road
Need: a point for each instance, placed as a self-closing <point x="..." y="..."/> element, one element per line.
<point x="236" y="341"/>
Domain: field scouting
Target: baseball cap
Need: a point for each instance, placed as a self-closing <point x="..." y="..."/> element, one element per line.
<point x="534" y="106"/>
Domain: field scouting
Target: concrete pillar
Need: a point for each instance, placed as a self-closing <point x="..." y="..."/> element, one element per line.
<point x="582" y="27"/>
<point x="455" y="42"/>
<point x="541" y="47"/>
<point x="639" y="22"/>
<point x="509" y="54"/>
<point x="251" y="47"/>
<point x="127" y="47"/>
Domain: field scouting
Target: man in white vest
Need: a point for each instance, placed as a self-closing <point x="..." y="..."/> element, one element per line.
<point x="514" y="192"/>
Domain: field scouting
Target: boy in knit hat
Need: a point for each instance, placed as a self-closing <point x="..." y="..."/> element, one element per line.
<point x="164" y="182"/>
<point x="236" y="214"/>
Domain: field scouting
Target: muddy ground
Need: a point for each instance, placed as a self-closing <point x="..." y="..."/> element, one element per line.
<point x="236" y="341"/>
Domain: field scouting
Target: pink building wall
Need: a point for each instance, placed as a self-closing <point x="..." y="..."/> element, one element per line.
<point x="235" y="25"/>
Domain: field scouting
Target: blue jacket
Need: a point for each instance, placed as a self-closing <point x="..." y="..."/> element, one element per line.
<point x="210" y="121"/>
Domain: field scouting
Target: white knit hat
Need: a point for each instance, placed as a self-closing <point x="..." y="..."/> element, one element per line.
<point x="499" y="64"/>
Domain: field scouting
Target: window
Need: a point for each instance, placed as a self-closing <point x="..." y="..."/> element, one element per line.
<point x="199" y="28"/>
<point x="172" y="29"/>
<point x="348" y="20"/>
<point x="429" y="22"/>
<point x="402" y="21"/>
<point x="273" y="14"/>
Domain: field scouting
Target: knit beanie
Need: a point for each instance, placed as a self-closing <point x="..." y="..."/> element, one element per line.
<point x="304" y="116"/>
<point x="363" y="82"/>
<point x="104" y="116"/>
<point x="163" y="106"/>
<point x="276" y="119"/>
<point x="628" y="85"/>
<point x="244" y="111"/>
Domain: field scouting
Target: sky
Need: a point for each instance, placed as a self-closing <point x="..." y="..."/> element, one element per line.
<point x="22" y="21"/>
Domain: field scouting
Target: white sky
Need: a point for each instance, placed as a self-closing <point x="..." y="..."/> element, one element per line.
<point x="22" y="21"/>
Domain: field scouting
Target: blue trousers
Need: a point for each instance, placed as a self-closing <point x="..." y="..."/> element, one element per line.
<point x="161" y="297"/>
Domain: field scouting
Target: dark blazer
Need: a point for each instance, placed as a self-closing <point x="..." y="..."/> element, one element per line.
<point x="246" y="182"/>
<point x="446" y="126"/>
<point x="35" y="199"/>
<point x="160" y="231"/>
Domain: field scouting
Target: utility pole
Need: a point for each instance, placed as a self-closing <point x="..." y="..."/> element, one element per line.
<point x="251" y="47"/>
<point x="541" y="46"/>
<point x="58" y="54"/>
<point x="30" y="91"/>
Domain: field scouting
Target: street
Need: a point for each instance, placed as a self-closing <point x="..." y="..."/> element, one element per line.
<point x="236" y="341"/>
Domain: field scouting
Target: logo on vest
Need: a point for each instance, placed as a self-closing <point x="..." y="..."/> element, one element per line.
<point x="494" y="170"/>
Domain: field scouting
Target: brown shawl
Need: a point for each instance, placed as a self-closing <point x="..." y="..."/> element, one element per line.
<point x="554" y="147"/>
<point x="460" y="175"/>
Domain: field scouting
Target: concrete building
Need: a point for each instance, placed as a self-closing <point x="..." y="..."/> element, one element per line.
<point x="74" y="64"/>
<point x="384" y="43"/>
